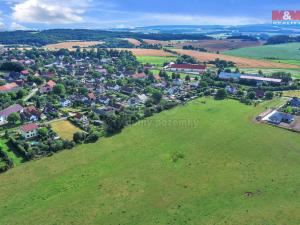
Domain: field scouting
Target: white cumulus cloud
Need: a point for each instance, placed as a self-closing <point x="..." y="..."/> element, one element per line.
<point x="49" y="11"/>
<point x="16" y="26"/>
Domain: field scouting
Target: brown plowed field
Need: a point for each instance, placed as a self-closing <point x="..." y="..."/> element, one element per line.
<point x="210" y="45"/>
<point x="239" y="61"/>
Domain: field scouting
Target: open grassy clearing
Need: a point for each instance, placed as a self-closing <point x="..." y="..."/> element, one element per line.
<point x="233" y="171"/>
<point x="156" y="60"/>
<point x="239" y="61"/>
<point x="17" y="160"/>
<point x="65" y="129"/>
<point x="288" y="51"/>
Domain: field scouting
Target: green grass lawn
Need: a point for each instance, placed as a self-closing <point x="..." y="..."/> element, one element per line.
<point x="17" y="160"/>
<point x="233" y="171"/>
<point x="294" y="72"/>
<point x="65" y="129"/>
<point x="156" y="60"/>
<point x="288" y="51"/>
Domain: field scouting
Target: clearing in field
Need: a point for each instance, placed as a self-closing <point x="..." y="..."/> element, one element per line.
<point x="65" y="129"/>
<point x="147" y="52"/>
<point x="288" y="51"/>
<point x="71" y="44"/>
<point x="202" y="163"/>
<point x="156" y="60"/>
<point x="239" y="61"/>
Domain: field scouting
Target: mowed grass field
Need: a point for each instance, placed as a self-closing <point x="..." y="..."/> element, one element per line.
<point x="281" y="52"/>
<point x="156" y="60"/>
<point x="234" y="171"/>
<point x="65" y="129"/>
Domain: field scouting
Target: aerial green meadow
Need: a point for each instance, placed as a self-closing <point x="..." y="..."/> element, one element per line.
<point x="205" y="163"/>
<point x="286" y="53"/>
<point x="156" y="60"/>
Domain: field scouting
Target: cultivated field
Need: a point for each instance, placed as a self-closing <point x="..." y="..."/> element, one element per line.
<point x="211" y="45"/>
<point x="133" y="41"/>
<point x="288" y="51"/>
<point x="291" y="94"/>
<point x="240" y="62"/>
<point x="64" y="129"/>
<point x="70" y="44"/>
<point x="147" y="52"/>
<point x="197" y="164"/>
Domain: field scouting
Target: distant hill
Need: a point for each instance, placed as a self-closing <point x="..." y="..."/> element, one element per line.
<point x="289" y="51"/>
<point x="39" y="38"/>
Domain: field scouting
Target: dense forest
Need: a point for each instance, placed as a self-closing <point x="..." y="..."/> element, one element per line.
<point x="39" y="38"/>
<point x="281" y="39"/>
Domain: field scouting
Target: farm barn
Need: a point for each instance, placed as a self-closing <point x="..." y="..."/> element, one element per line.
<point x="187" y="68"/>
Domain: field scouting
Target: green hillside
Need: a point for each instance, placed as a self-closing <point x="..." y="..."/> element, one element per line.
<point x="197" y="164"/>
<point x="290" y="51"/>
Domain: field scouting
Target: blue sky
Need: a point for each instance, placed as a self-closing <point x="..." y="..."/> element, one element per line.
<point x="42" y="14"/>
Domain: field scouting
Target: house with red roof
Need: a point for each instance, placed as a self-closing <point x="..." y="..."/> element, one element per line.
<point x="11" y="87"/>
<point x="91" y="96"/>
<point x="29" y="130"/>
<point x="139" y="76"/>
<point x="188" y="68"/>
<point x="48" y="87"/>
<point x="25" y="72"/>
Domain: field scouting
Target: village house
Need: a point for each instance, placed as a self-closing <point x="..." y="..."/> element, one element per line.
<point x="81" y="118"/>
<point x="4" y="114"/>
<point x="12" y="87"/>
<point x="139" y="76"/>
<point x="65" y="103"/>
<point x="29" y="131"/>
<point x="279" y="117"/>
<point x="294" y="102"/>
<point x="91" y="96"/>
<point x="31" y="113"/>
<point x="127" y="90"/>
<point x="48" y="87"/>
<point x="104" y="100"/>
